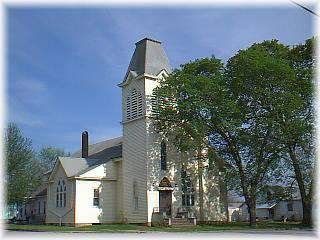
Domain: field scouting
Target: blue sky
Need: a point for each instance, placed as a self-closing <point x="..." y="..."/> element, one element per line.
<point x="64" y="63"/>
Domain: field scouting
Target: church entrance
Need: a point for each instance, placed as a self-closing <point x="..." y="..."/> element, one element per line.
<point x="165" y="201"/>
<point x="165" y="196"/>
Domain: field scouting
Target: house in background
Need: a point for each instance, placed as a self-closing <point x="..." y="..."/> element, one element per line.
<point x="234" y="203"/>
<point x="289" y="209"/>
<point x="284" y="209"/>
<point x="10" y="212"/>
<point x="263" y="212"/>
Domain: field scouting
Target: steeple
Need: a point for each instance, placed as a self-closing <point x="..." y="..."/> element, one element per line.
<point x="148" y="58"/>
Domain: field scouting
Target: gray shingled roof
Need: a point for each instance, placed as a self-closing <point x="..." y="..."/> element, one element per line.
<point x="99" y="153"/>
<point x="105" y="149"/>
<point x="148" y="57"/>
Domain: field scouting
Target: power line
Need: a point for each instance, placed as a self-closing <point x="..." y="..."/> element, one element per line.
<point x="305" y="8"/>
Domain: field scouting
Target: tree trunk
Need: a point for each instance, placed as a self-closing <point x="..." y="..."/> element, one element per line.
<point x="224" y="195"/>
<point x="305" y="198"/>
<point x="200" y="190"/>
<point x="307" y="212"/>
<point x="251" y="204"/>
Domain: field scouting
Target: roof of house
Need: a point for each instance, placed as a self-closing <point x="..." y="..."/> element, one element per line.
<point x="40" y="191"/>
<point x="265" y="205"/>
<point x="111" y="148"/>
<point x="99" y="153"/>
<point x="148" y="58"/>
<point x="234" y="204"/>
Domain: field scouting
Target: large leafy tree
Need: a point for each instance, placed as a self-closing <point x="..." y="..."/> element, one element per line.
<point x="182" y="105"/>
<point x="23" y="170"/>
<point x="244" y="114"/>
<point x="48" y="157"/>
<point x="198" y="107"/>
<point x="297" y="126"/>
<point x="261" y="81"/>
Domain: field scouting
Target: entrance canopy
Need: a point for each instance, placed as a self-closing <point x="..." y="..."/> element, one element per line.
<point x="165" y="184"/>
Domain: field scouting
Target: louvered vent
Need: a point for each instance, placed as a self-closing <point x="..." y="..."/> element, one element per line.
<point x="134" y="105"/>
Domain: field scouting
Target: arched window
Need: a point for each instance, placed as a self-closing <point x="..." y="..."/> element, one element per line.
<point x="187" y="189"/>
<point x="134" y="104"/>
<point x="135" y="195"/>
<point x="163" y="155"/>
<point x="61" y="197"/>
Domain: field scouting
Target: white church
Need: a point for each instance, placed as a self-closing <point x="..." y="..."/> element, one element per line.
<point x="136" y="178"/>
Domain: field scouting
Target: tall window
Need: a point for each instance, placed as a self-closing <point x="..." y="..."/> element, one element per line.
<point x="290" y="206"/>
<point x="96" y="197"/>
<point x="163" y="153"/>
<point x="135" y="196"/>
<point x="134" y="104"/>
<point x="187" y="189"/>
<point x="61" y="197"/>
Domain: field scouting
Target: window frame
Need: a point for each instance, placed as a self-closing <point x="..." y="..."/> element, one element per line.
<point x="290" y="206"/>
<point x="61" y="194"/>
<point x="163" y="155"/>
<point x="135" y="196"/>
<point x="187" y="189"/>
<point x="96" y="197"/>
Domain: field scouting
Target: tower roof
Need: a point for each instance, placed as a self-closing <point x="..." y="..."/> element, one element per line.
<point x="148" y="58"/>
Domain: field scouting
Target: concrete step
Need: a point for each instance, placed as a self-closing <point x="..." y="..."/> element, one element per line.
<point x="182" y="225"/>
<point x="181" y="222"/>
<point x="180" y="219"/>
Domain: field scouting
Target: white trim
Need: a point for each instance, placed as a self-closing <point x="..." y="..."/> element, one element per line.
<point x="128" y="79"/>
<point x="131" y="120"/>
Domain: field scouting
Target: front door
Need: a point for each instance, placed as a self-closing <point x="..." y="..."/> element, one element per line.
<point x="165" y="201"/>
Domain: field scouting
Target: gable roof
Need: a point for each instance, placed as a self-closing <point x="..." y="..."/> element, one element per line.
<point x="111" y="148"/>
<point x="99" y="153"/>
<point x="40" y="191"/>
<point x="73" y="166"/>
<point x="148" y="58"/>
<point x="265" y="205"/>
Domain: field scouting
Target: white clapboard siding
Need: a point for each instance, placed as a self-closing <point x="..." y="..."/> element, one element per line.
<point x="104" y="170"/>
<point x="86" y="212"/>
<point x="54" y="214"/>
<point x="119" y="192"/>
<point x="281" y="210"/>
<point x="134" y="159"/>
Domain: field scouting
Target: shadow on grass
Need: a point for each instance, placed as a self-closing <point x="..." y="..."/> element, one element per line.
<point x="129" y="228"/>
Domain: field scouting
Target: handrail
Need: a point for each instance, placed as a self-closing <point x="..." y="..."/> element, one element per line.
<point x="61" y="216"/>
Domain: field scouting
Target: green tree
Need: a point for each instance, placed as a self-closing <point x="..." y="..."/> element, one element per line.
<point x="196" y="105"/>
<point x="261" y="81"/>
<point x="181" y="108"/>
<point x="22" y="173"/>
<point x="248" y="115"/>
<point x="297" y="126"/>
<point x="48" y="157"/>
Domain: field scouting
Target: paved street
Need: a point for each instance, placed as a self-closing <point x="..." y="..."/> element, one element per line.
<point x="283" y="234"/>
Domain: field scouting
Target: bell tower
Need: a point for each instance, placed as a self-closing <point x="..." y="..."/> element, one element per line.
<point x="141" y="147"/>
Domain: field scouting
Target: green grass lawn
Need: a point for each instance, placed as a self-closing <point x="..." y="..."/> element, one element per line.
<point x="138" y="228"/>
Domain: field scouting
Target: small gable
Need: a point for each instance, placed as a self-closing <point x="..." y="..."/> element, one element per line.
<point x="58" y="171"/>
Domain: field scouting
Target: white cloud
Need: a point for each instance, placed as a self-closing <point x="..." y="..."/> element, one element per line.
<point x="31" y="86"/>
<point x="29" y="92"/>
<point x="23" y="118"/>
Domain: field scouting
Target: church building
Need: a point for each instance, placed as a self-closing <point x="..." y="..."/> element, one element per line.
<point x="139" y="177"/>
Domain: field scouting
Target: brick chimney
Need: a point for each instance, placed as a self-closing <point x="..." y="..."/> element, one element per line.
<point x="85" y="144"/>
